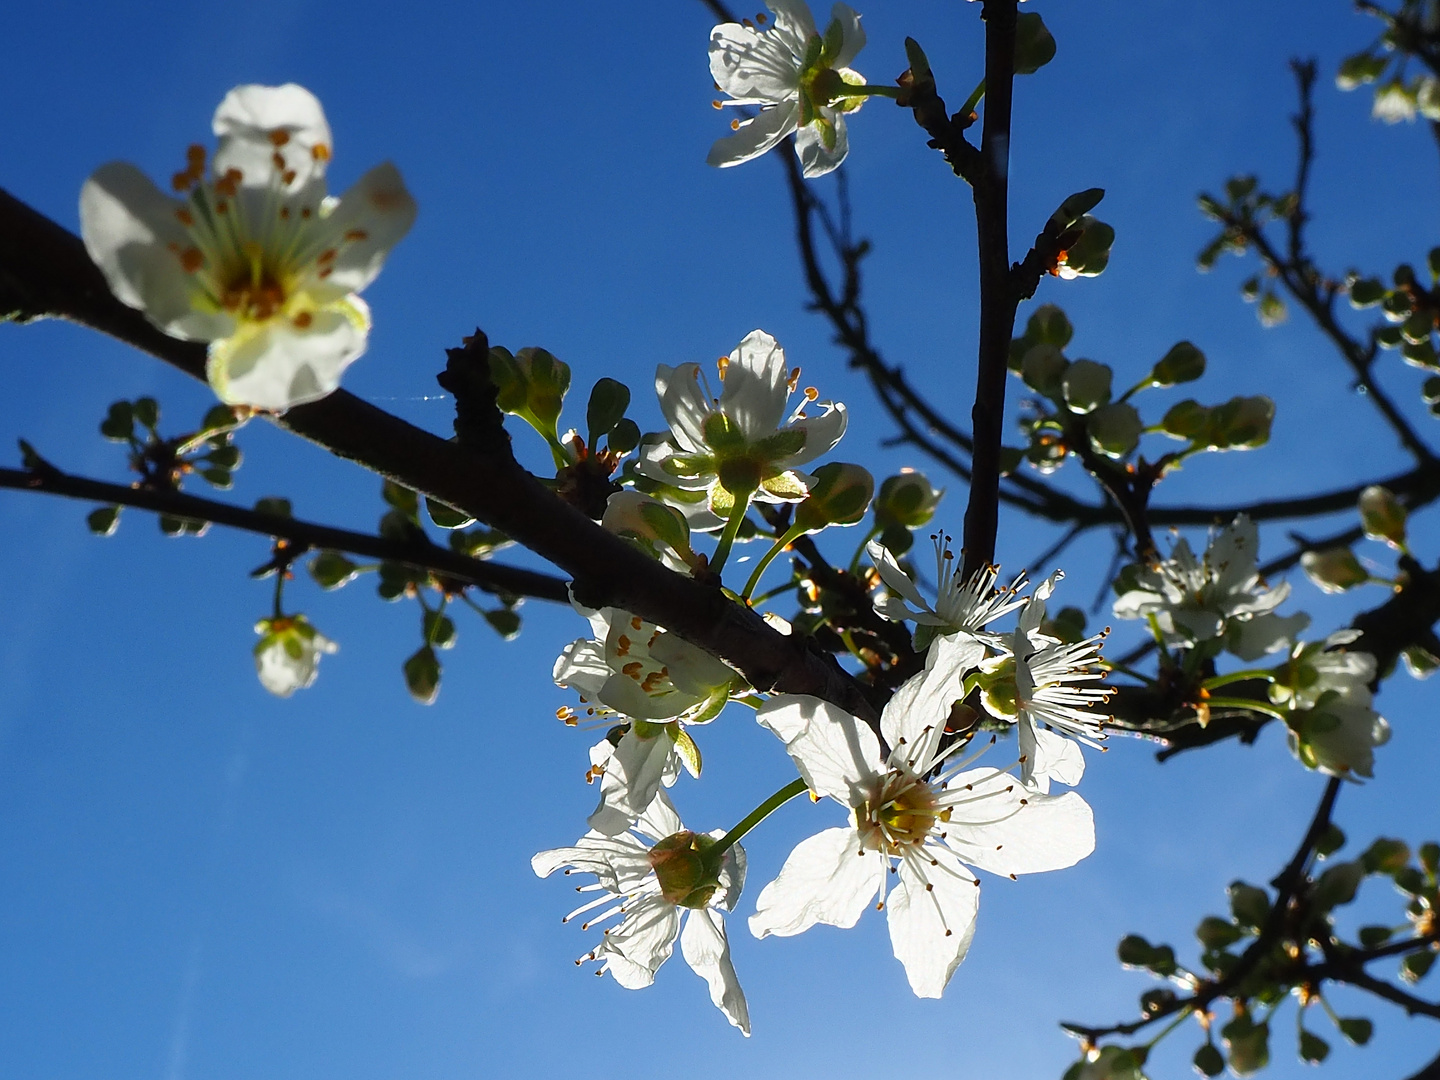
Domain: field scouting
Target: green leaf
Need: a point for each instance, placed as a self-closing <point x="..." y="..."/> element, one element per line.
<point x="688" y="751"/>
<point x="447" y="517"/>
<point x="402" y="499"/>
<point x="1086" y="385"/>
<point x="1367" y="292"/>
<point x="608" y="401"/>
<point x="1034" y="44"/>
<point x="104" y="520"/>
<point x="1338" y="885"/>
<point x="1248" y="1045"/>
<point x="1043" y="369"/>
<point x="224" y="457"/>
<point x="330" y="569"/>
<point x="119" y="422"/>
<point x="1331" y="841"/>
<point x="624" y="436"/>
<point x="1250" y="906"/>
<point x="1049" y="326"/>
<point x="1430" y="858"/>
<point x="1240" y="187"/>
<point x="1356" y="1028"/>
<point x="395" y="579"/>
<point x="1209" y="1061"/>
<point x="1115" y="429"/>
<point x="1216" y="933"/>
<point x="218" y="417"/>
<point x="1088" y="256"/>
<point x="505" y="622"/>
<point x="274" y="505"/>
<point x="1186" y="419"/>
<point x="1183" y="363"/>
<point x="1416" y="965"/>
<point x="1383" y="516"/>
<point x="218" y="478"/>
<point x="1134" y="951"/>
<point x="147" y="412"/>
<point x="1385" y="856"/>
<point x="422" y="675"/>
<point x="1073" y="210"/>
<point x="1313" y="1049"/>
<point x="1372" y="936"/>
<point x="438" y="629"/>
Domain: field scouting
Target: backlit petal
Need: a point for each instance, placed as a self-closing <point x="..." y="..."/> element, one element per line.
<point x="827" y="879"/>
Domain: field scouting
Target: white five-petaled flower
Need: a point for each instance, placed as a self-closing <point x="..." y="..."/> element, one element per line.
<point x="915" y="814"/>
<point x="800" y="79"/>
<point x="662" y="684"/>
<point x="1047" y="697"/>
<point x="961" y="606"/>
<point x="1332" y="725"/>
<point x="253" y="258"/>
<point x="1196" y="600"/>
<point x="740" y="445"/>
<point x="653" y="903"/>
<point x="287" y="656"/>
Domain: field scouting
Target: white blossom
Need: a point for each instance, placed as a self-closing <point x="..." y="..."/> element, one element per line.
<point x="961" y="606"/>
<point x="741" y="444"/>
<point x="799" y="79"/>
<point x="1331" y="723"/>
<point x="658" y="681"/>
<point x="287" y="656"/>
<point x="254" y="257"/>
<point x="913" y="813"/>
<point x="653" y="906"/>
<point x="1193" y="600"/>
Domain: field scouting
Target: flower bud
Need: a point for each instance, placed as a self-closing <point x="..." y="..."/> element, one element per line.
<point x="1383" y="516"/>
<point x="1183" y="363"/>
<point x="287" y="656"/>
<point x="685" y="876"/>
<point x="1042" y="368"/>
<point x="906" y="499"/>
<point x="1087" y="386"/>
<point x="840" y="496"/>
<point x="1089" y="255"/>
<point x="1334" y="569"/>
<point x="649" y="523"/>
<point x="1115" y="429"/>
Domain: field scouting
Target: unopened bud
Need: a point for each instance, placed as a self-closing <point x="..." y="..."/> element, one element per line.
<point x="649" y="523"/>
<point x="840" y="496"/>
<point x="906" y="499"/>
<point x="1334" y="569"/>
<point x="1086" y="385"/>
<point x="1383" y="516"/>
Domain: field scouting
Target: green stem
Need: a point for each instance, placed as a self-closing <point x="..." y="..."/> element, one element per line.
<point x="871" y="90"/>
<point x="1238" y="676"/>
<point x="791" y="535"/>
<point x="759" y="814"/>
<point x="1126" y="670"/>
<point x="1180" y="1018"/>
<point x="973" y="100"/>
<point x="864" y="542"/>
<point x="1246" y="703"/>
<point x="732" y="529"/>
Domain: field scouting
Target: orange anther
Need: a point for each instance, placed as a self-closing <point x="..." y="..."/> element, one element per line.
<point x="303" y="320"/>
<point x="320" y="152"/>
<point x="279" y="137"/>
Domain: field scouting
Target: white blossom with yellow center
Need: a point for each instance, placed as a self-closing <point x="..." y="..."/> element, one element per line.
<point x="914" y="814"/>
<point x="253" y="257"/>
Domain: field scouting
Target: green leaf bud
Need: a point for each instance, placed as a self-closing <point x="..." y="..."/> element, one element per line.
<point x="504" y="622"/>
<point x="1050" y="326"/>
<point x="1356" y="1028"/>
<point x="1361" y="68"/>
<point x="1183" y="363"/>
<point x="1420" y="662"/>
<point x="1372" y="936"/>
<point x="1249" y="905"/>
<point x="1385" y="856"/>
<point x="1420" y="354"/>
<point x="438" y="629"/>
<point x="1086" y="385"/>
<point x="840" y="496"/>
<point x="1338" y="885"/>
<point x="1216" y="933"/>
<point x="402" y="499"/>
<point x="119" y="422"/>
<point x="1088" y="256"/>
<point x="1334" y="570"/>
<point x="1248" y="1045"/>
<point x="1367" y="292"/>
<point x="1313" y="1049"/>
<point x="1115" y="429"/>
<point x="1209" y="1061"/>
<point x="624" y="436"/>
<point x="1417" y="327"/>
<point x="1034" y="45"/>
<point x="1417" y="965"/>
<point x="1240" y="187"/>
<point x="330" y="569"/>
<point x="1241" y="423"/>
<point x="608" y="401"/>
<point x="1187" y="419"/>
<point x="147" y="412"/>
<point x="1043" y="369"/>
<point x="1072" y="211"/>
<point x="1383" y="516"/>
<point x="1331" y="841"/>
<point x="103" y="520"/>
<point x="907" y="499"/>
<point x="447" y="517"/>
<point x="422" y="675"/>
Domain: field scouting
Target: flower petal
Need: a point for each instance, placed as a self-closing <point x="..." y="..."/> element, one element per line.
<point x="683" y="404"/>
<point x="632" y="779"/>
<point x="707" y="951"/>
<point x="277" y="364"/>
<point x="365" y="224"/>
<point x="1007" y="829"/>
<point x="924" y="700"/>
<point x="1048" y="756"/>
<point x="255" y="123"/>
<point x="853" y="35"/>
<point x="582" y="668"/>
<point x="757" y="386"/>
<point x="817" y="159"/>
<point x="821" y="432"/>
<point x="129" y="227"/>
<point x="634" y="950"/>
<point x="753" y="65"/>
<point x="828" y="878"/>
<point x="835" y="753"/>
<point x="755" y="136"/>
<point x="931" y="912"/>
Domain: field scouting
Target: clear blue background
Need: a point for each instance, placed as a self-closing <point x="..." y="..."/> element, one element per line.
<point x="200" y="881"/>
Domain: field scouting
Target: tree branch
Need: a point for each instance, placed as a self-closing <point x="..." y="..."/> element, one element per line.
<point x="492" y="577"/>
<point x="55" y="274"/>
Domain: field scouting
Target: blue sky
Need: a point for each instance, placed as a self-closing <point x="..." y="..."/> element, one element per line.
<point x="202" y="881"/>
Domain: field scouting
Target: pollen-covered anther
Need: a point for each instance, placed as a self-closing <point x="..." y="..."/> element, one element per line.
<point x="734" y="125"/>
<point x="303" y="320"/>
<point x="356" y="235"/>
<point x="794" y="380"/>
<point x="811" y="394"/>
<point x="633" y="669"/>
<point x="622" y="646"/>
<point x="320" y="152"/>
<point x="717" y="104"/>
<point x="636" y="621"/>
